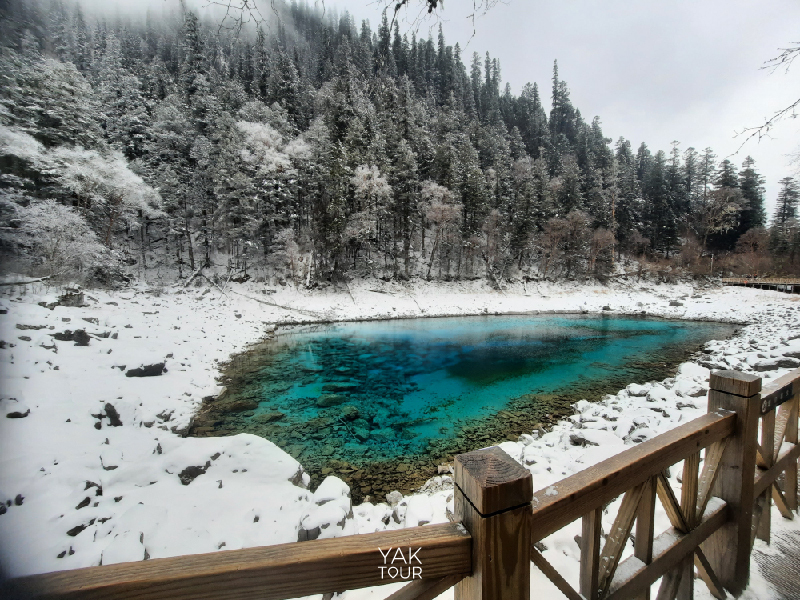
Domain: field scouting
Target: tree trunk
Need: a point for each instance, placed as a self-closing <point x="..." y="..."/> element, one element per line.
<point x="433" y="252"/>
<point x="143" y="225"/>
<point x="189" y="244"/>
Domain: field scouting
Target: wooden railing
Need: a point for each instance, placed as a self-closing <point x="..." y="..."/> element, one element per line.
<point x="487" y="552"/>
<point x="786" y="284"/>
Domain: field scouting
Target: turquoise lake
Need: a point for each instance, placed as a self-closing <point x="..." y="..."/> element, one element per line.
<point x="421" y="389"/>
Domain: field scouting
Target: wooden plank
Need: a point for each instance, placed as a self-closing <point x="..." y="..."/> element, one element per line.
<point x="670" y="548"/>
<point x="565" y="501"/>
<point x="781" y="422"/>
<point x="264" y="573"/>
<point x="735" y="382"/>
<point x="686" y="585"/>
<point x="670" y="504"/>
<point x="707" y="575"/>
<point x="499" y="546"/>
<point x="791" y="470"/>
<point x="780" y="390"/>
<point x="618" y="536"/>
<point x="709" y="475"/>
<point x="492" y="480"/>
<point x="758" y="514"/>
<point x="645" y="527"/>
<point x="501" y="542"/>
<point x="767" y="444"/>
<point x="425" y="589"/>
<point x="554" y="576"/>
<point x="689" y="483"/>
<point x="668" y="590"/>
<point x="591" y="525"/>
<point x="728" y="550"/>
<point x="786" y="459"/>
<point x="780" y="502"/>
<point x="689" y="487"/>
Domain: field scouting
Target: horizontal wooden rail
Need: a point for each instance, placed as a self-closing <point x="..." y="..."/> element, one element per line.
<point x="764" y="478"/>
<point x="575" y="496"/>
<point x="780" y="390"/>
<point x="265" y="573"/>
<point x="764" y="280"/>
<point x="633" y="577"/>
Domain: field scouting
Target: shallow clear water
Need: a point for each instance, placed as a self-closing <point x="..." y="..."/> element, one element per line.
<point x="388" y="390"/>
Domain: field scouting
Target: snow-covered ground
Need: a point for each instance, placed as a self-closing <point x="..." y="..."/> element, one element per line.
<point x="96" y="470"/>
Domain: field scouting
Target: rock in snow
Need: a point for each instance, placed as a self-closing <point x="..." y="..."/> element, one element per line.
<point x="147" y="370"/>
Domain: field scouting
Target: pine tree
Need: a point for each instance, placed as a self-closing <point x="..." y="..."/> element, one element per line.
<point x="785" y="230"/>
<point x="788" y="198"/>
<point x="726" y="175"/>
<point x="81" y="52"/>
<point x="752" y="186"/>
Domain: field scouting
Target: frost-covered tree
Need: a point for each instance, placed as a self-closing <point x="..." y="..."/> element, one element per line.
<point x="61" y="242"/>
<point x="48" y="99"/>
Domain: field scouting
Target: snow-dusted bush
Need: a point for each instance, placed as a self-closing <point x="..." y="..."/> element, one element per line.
<point x="105" y="187"/>
<point x="263" y="147"/>
<point x="106" y="191"/>
<point x="370" y="186"/>
<point x="58" y="240"/>
<point x="65" y="240"/>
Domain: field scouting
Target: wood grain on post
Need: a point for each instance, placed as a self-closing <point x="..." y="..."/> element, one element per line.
<point x="591" y="524"/>
<point x="734" y="382"/>
<point x="767" y="452"/>
<point x="689" y="488"/>
<point x="492" y="499"/>
<point x="645" y="529"/>
<point x="728" y="549"/>
<point x="791" y="470"/>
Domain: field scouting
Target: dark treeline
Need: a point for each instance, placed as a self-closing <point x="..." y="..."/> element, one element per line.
<point x="317" y="149"/>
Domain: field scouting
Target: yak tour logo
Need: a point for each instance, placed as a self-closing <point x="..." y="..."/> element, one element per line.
<point x="400" y="566"/>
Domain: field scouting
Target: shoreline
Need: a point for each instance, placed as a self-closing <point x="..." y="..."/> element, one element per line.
<point x="123" y="434"/>
<point x="371" y="480"/>
<point x="533" y="313"/>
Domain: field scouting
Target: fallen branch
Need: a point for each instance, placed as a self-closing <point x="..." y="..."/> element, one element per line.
<point x="289" y="308"/>
<point x="195" y="274"/>
<point x="25" y="282"/>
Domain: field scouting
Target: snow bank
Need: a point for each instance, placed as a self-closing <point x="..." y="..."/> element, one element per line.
<point x="96" y="471"/>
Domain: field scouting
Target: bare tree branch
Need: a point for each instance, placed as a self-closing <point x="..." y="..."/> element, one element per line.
<point x="239" y="13"/>
<point x="786" y="57"/>
<point x="783" y="60"/>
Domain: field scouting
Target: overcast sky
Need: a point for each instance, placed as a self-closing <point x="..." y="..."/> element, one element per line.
<point x="685" y="70"/>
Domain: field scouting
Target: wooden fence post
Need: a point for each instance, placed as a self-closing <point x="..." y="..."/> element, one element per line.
<point x="493" y="496"/>
<point x="791" y="470"/>
<point x="728" y="549"/>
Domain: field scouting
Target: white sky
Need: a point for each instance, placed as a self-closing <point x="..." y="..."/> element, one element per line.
<point x="686" y="70"/>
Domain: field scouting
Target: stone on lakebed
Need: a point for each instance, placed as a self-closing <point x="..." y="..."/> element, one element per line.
<point x="240" y="405"/>
<point x="327" y="400"/>
<point x="339" y="387"/>
<point x="269" y="417"/>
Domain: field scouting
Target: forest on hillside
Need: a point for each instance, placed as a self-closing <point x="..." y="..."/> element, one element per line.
<point x="315" y="149"/>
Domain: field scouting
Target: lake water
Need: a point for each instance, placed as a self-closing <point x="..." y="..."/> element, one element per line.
<point x="407" y="392"/>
